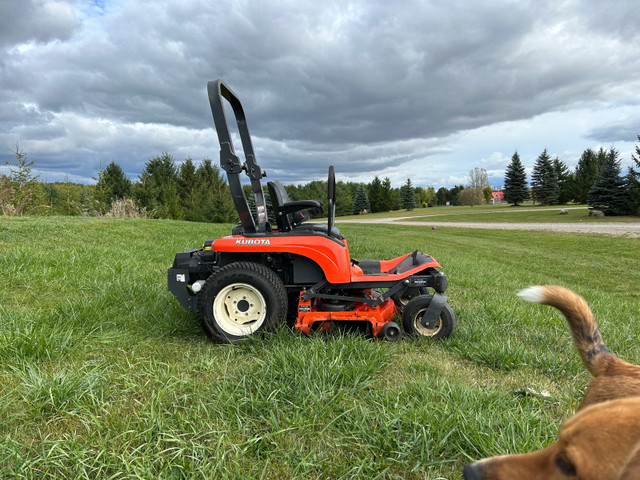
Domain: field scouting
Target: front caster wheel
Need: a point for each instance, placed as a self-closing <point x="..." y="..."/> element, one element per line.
<point x="391" y="332"/>
<point x="415" y="310"/>
<point x="239" y="300"/>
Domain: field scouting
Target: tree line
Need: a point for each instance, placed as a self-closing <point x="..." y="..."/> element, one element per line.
<point x="199" y="191"/>
<point x="187" y="191"/>
<point x="597" y="180"/>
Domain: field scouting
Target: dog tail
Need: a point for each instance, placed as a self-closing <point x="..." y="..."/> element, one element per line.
<point x="594" y="353"/>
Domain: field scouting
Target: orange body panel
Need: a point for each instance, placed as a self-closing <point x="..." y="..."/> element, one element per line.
<point x="330" y="255"/>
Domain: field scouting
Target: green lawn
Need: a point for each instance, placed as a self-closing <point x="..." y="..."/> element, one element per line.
<point x="105" y="376"/>
<point x="501" y="213"/>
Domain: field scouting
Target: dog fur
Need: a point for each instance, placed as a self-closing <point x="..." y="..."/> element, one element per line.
<point x="600" y="442"/>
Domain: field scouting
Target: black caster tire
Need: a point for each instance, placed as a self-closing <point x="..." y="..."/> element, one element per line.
<point x="239" y="300"/>
<point x="391" y="332"/>
<point x="413" y="313"/>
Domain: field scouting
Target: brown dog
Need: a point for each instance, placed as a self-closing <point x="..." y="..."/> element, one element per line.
<point x="600" y="442"/>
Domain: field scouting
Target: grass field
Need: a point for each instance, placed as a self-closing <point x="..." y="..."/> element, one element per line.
<point x="103" y="375"/>
<point x="500" y="213"/>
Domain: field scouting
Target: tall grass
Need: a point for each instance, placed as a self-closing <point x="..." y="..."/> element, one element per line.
<point x="103" y="375"/>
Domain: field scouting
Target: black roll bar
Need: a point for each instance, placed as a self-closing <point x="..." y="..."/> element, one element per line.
<point x="230" y="162"/>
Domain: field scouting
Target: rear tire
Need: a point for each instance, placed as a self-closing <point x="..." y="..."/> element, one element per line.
<point x="411" y="293"/>
<point x="415" y="310"/>
<point x="239" y="300"/>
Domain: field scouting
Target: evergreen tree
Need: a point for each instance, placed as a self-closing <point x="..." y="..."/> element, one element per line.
<point x="215" y="195"/>
<point x="51" y="194"/>
<point x="361" y="201"/>
<point x="601" y="157"/>
<point x="544" y="182"/>
<point x="189" y="191"/>
<point x="565" y="190"/>
<point x="452" y="194"/>
<point x="515" y="182"/>
<point x="16" y="190"/>
<point x="375" y="193"/>
<point x="387" y="195"/>
<point x="157" y="190"/>
<point x="112" y="185"/>
<point x="344" y="200"/>
<point x="633" y="182"/>
<point x="585" y="175"/>
<point x="407" y="196"/>
<point x="441" y="196"/>
<point x="609" y="192"/>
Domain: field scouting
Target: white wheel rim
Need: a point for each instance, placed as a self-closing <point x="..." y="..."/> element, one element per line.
<point x="426" y="332"/>
<point x="239" y="309"/>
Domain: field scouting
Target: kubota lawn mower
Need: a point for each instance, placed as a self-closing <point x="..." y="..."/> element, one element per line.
<point x="263" y="274"/>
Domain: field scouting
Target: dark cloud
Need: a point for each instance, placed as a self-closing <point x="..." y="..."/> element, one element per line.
<point x="623" y="130"/>
<point x="368" y="85"/>
<point x="23" y="21"/>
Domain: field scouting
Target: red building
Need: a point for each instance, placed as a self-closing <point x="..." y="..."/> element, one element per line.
<point x="497" y="197"/>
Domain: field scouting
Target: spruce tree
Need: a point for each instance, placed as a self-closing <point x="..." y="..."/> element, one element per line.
<point x="216" y="203"/>
<point x="565" y="191"/>
<point x="188" y="191"/>
<point x="375" y="193"/>
<point x="515" y="182"/>
<point x="585" y="175"/>
<point x="609" y="192"/>
<point x="633" y="182"/>
<point x="17" y="189"/>
<point x="157" y="190"/>
<point x="387" y="196"/>
<point x="361" y="201"/>
<point x="407" y="196"/>
<point x="112" y="185"/>
<point x="544" y="182"/>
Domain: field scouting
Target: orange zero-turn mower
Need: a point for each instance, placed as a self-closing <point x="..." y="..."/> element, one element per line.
<point x="295" y="270"/>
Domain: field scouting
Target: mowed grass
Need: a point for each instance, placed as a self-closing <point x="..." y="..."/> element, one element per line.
<point x="499" y="213"/>
<point x="519" y="215"/>
<point x="103" y="375"/>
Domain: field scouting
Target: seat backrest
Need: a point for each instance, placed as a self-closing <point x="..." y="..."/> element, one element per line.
<point x="279" y="197"/>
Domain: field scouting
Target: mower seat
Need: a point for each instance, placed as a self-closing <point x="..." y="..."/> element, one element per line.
<point x="290" y="215"/>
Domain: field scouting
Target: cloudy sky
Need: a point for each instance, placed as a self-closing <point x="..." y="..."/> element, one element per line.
<point x="421" y="89"/>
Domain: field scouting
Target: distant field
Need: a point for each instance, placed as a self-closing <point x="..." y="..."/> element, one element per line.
<point x="498" y="214"/>
<point x="105" y="376"/>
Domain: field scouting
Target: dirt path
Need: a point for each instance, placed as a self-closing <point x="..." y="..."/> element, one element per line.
<point x="618" y="229"/>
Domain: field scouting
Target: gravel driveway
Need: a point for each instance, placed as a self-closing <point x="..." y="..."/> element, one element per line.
<point x="609" y="228"/>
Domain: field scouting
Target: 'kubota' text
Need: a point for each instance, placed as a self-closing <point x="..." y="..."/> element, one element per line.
<point x="253" y="241"/>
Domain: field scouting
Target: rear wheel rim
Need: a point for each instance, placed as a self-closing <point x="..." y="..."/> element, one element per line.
<point x="426" y="332"/>
<point x="239" y="309"/>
